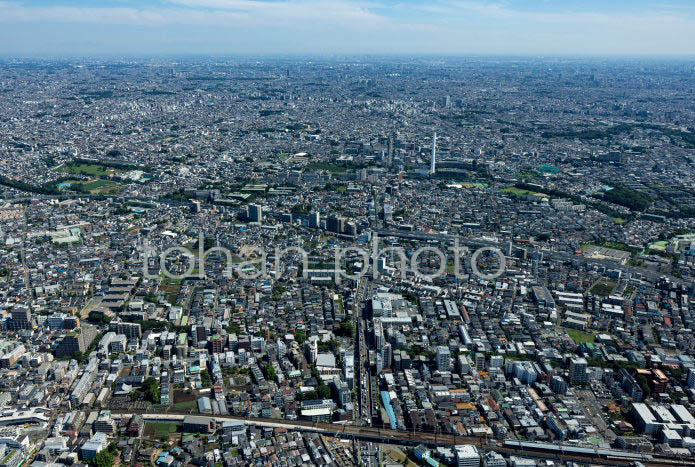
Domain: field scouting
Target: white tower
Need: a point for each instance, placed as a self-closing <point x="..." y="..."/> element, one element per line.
<point x="433" y="162"/>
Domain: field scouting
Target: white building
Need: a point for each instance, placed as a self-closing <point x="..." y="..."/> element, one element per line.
<point x="443" y="358"/>
<point x="578" y="375"/>
<point x="467" y="456"/>
<point x="494" y="459"/>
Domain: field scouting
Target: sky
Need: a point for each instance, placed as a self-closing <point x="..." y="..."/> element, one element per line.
<point x="335" y="27"/>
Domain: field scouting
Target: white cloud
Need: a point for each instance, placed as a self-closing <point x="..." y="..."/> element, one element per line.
<point x="344" y="26"/>
<point x="11" y="12"/>
<point x="215" y="12"/>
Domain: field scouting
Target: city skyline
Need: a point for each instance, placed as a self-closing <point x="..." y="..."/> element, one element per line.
<point x="481" y="260"/>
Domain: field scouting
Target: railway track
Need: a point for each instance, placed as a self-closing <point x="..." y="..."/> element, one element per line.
<point x="389" y="436"/>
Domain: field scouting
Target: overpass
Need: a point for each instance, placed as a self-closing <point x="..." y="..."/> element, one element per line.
<point x="413" y="438"/>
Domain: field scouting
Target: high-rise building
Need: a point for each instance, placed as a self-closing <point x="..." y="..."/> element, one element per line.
<point x="217" y="344"/>
<point x="378" y="335"/>
<point x="350" y="229"/>
<point x="20" y="318"/>
<point x="691" y="378"/>
<point x="578" y="374"/>
<point x="496" y="361"/>
<point x="335" y="224"/>
<point x="255" y="213"/>
<point x="443" y="358"/>
<point x="526" y="372"/>
<point x="77" y="340"/>
<point x="311" y="349"/>
<point x="104" y="423"/>
<point x="479" y="361"/>
<point x="467" y="456"/>
<point x="343" y="391"/>
<point x="386" y="355"/>
<point x="282" y="349"/>
<point x="630" y="385"/>
<point x="56" y="321"/>
<point x="349" y="369"/>
<point x="314" y="220"/>
<point x="433" y="161"/>
<point x="243" y="357"/>
<point x="198" y="333"/>
<point x="80" y="390"/>
<point x="166" y="352"/>
<point x="388" y="212"/>
<point x="130" y="330"/>
<point x="558" y="385"/>
<point x="381" y="265"/>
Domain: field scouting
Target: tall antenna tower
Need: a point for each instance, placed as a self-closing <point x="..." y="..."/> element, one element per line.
<point x="433" y="162"/>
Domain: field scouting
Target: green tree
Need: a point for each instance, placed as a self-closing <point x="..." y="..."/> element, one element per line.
<point x="300" y="336"/>
<point x="347" y="329"/>
<point x="644" y="385"/>
<point x="323" y="392"/>
<point x="205" y="379"/>
<point x="331" y="345"/>
<point x="269" y="371"/>
<point x="103" y="459"/>
<point x="150" y="387"/>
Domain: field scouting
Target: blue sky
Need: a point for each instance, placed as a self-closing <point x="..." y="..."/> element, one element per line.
<point x="459" y="27"/>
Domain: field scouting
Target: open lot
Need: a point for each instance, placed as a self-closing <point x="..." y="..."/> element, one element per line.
<point x="518" y="191"/>
<point x="580" y="337"/>
<point x="159" y="430"/>
<point x="93" y="170"/>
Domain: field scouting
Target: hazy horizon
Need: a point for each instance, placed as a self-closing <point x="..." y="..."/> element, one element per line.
<point x="639" y="28"/>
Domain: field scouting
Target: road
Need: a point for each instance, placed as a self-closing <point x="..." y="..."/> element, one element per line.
<point x="366" y="452"/>
<point x="592" y="409"/>
<point x="373" y="435"/>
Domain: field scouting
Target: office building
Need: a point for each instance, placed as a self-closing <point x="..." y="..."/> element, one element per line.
<point x="335" y="224"/>
<point x="255" y="213"/>
<point x="314" y="220"/>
